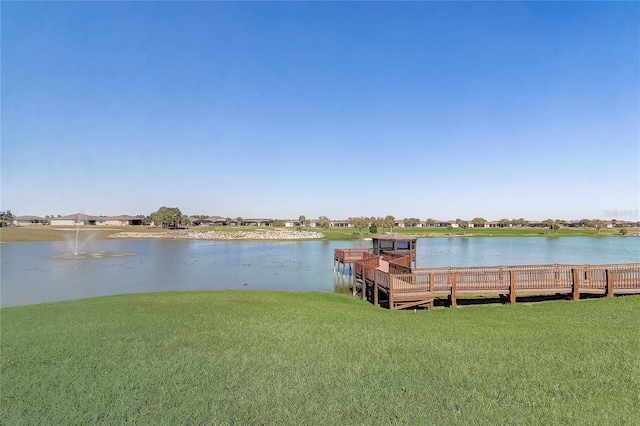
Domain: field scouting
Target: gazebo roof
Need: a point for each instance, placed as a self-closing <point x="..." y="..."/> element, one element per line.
<point x="395" y="237"/>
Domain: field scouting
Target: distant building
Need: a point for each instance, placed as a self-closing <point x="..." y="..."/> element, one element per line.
<point x="29" y="220"/>
<point x="81" y="219"/>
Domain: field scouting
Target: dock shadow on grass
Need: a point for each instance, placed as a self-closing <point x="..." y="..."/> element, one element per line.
<point x="481" y="300"/>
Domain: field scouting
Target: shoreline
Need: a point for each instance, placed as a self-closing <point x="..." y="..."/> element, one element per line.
<point x="49" y="233"/>
<point x="266" y="235"/>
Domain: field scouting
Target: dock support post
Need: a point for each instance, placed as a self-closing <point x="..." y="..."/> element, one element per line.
<point x="454" y="291"/>
<point x="512" y="287"/>
<point x="355" y="284"/>
<point x="432" y="285"/>
<point x="364" y="284"/>
<point x="375" y="290"/>
<point x="576" y="284"/>
<point x="609" y="277"/>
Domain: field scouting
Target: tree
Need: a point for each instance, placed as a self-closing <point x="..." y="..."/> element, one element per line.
<point x="520" y="222"/>
<point x="462" y="224"/>
<point x="411" y="222"/>
<point x="373" y="228"/>
<point x="303" y="221"/>
<point x="278" y="223"/>
<point x="6" y="218"/>
<point x="478" y="222"/>
<point x="598" y="223"/>
<point x="623" y="231"/>
<point x="551" y="224"/>
<point x="324" y="222"/>
<point x="388" y="222"/>
<point x="503" y="223"/>
<point x="167" y="217"/>
<point x="431" y="222"/>
<point x="359" y="223"/>
<point x="227" y="221"/>
<point x="238" y="221"/>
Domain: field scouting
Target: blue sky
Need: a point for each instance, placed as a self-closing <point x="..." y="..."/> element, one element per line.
<point x="277" y="109"/>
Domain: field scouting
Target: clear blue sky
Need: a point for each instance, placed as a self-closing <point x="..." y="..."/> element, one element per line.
<point x="277" y="109"/>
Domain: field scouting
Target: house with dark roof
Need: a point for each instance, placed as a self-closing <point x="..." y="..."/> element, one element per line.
<point x="29" y="221"/>
<point x="81" y="219"/>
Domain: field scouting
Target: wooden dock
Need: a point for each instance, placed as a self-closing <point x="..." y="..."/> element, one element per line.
<point x="391" y="279"/>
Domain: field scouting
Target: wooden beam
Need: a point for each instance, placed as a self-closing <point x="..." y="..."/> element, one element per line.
<point x="576" y="283"/>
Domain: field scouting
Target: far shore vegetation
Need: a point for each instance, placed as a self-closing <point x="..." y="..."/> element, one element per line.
<point x="171" y="218"/>
<point x="262" y="357"/>
<point x="57" y="233"/>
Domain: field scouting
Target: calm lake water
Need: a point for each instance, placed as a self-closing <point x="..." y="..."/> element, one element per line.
<point x="42" y="271"/>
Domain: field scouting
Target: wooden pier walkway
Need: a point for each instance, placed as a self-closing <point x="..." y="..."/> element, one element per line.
<point x="389" y="277"/>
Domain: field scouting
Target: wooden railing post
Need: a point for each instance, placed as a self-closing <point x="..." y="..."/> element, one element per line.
<point x="576" y="284"/>
<point x="432" y="284"/>
<point x="355" y="282"/>
<point x="375" y="289"/>
<point x="363" y="294"/>
<point x="512" y="286"/>
<point x="454" y="291"/>
<point x="609" y="277"/>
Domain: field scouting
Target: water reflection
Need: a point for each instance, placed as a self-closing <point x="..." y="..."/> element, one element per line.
<point x="342" y="284"/>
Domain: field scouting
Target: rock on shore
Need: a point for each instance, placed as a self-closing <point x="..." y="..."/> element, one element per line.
<point x="258" y="234"/>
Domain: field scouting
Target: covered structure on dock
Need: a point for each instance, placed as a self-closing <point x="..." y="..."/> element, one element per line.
<point x="389" y="245"/>
<point x="396" y="244"/>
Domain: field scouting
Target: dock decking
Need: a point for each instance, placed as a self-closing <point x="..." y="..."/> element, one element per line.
<point x="391" y="277"/>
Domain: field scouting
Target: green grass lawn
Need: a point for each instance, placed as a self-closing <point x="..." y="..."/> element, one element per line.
<point x="251" y="357"/>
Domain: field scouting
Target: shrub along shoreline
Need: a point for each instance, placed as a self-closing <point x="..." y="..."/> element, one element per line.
<point x="263" y="357"/>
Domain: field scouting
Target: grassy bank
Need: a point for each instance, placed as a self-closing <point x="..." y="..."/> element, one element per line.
<point x="248" y="357"/>
<point x="52" y="233"/>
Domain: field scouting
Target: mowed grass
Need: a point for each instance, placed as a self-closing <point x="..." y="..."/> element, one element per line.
<point x="252" y="357"/>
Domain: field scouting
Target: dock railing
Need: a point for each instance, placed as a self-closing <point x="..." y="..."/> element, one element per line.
<point x="508" y="282"/>
<point x="533" y="279"/>
<point x="346" y="257"/>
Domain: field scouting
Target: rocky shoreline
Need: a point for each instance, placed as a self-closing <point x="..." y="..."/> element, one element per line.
<point x="224" y="235"/>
